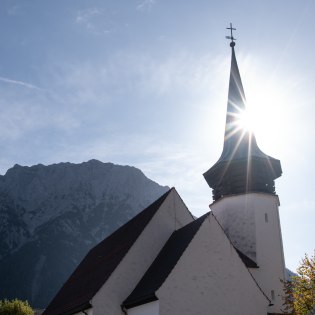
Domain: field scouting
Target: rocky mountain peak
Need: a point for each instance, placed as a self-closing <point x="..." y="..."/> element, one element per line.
<point x="52" y="215"/>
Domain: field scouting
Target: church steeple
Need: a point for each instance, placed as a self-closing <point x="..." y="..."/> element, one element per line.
<point x="242" y="167"/>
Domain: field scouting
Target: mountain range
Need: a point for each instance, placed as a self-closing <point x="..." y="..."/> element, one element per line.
<point x="50" y="216"/>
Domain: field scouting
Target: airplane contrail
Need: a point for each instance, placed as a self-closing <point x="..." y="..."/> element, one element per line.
<point x="28" y="85"/>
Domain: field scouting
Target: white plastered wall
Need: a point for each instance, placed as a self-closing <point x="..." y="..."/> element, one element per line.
<point x="210" y="278"/>
<point x="172" y="215"/>
<point x="85" y="312"/>
<point x="151" y="308"/>
<point x="253" y="225"/>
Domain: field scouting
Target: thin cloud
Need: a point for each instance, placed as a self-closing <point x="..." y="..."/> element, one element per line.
<point x="146" y="5"/>
<point x="21" y="83"/>
<point x="92" y="20"/>
<point x="85" y="15"/>
<point x="142" y="76"/>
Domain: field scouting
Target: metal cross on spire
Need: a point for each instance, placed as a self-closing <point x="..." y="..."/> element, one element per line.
<point x="232" y="44"/>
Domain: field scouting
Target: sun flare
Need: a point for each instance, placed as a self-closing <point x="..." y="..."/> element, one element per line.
<point x="263" y="118"/>
<point x="245" y="121"/>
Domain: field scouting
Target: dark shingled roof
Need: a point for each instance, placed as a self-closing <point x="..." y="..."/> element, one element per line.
<point x="99" y="263"/>
<point x="163" y="264"/>
<point x="248" y="262"/>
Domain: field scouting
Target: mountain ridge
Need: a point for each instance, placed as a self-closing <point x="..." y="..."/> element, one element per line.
<point x="52" y="215"/>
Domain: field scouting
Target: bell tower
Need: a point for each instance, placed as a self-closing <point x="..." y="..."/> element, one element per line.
<point x="244" y="198"/>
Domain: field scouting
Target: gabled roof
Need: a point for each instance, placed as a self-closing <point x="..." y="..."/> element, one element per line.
<point x="99" y="263"/>
<point x="163" y="264"/>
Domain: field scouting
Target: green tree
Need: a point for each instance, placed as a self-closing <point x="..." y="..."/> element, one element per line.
<point x="299" y="296"/>
<point x="15" y="307"/>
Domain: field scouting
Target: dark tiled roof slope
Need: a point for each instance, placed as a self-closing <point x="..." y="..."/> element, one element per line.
<point x="163" y="264"/>
<point x="248" y="262"/>
<point x="99" y="263"/>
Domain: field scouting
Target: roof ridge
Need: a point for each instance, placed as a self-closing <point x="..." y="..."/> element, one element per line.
<point x="183" y="202"/>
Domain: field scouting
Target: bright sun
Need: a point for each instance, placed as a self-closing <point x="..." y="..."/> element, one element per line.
<point x="246" y="121"/>
<point x="263" y="118"/>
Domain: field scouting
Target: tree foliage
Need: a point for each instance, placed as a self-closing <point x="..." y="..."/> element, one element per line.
<point x="299" y="296"/>
<point x="15" y="307"/>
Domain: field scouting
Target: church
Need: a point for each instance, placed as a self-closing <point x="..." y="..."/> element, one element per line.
<point x="164" y="261"/>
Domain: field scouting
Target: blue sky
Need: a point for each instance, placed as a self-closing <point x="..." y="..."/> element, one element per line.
<point x="144" y="83"/>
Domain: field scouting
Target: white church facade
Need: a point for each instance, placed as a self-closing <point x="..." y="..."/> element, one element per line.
<point x="166" y="262"/>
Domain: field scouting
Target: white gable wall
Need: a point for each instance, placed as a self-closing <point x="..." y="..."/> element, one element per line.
<point x="237" y="217"/>
<point x="172" y="215"/>
<point x="87" y="312"/>
<point x="253" y="225"/>
<point x="151" y="308"/>
<point x="210" y="278"/>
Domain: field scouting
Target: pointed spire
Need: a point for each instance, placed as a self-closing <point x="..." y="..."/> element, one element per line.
<point x="242" y="167"/>
<point x="237" y="141"/>
<point x="236" y="102"/>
